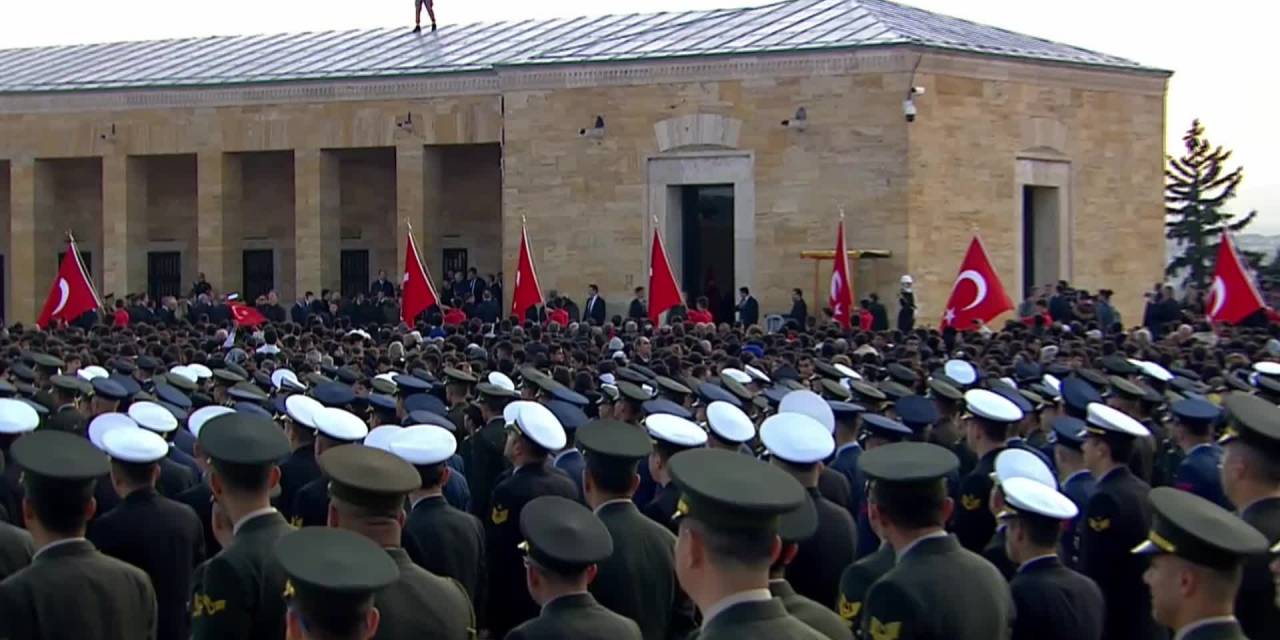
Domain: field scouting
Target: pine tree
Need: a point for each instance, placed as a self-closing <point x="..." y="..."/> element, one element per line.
<point x="1197" y="186"/>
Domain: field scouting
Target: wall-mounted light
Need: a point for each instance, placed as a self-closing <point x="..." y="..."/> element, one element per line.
<point x="799" y="122"/>
<point x="595" y="131"/>
<point x="406" y="123"/>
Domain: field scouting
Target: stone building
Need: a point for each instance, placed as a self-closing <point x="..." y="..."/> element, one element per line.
<point x="293" y="161"/>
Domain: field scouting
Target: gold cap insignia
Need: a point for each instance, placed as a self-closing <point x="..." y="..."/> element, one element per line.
<point x="970" y="503"/>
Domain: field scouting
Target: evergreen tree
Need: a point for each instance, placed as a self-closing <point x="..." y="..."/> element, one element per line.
<point x="1197" y="186"/>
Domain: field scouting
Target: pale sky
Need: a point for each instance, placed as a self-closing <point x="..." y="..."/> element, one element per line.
<point x="1222" y="52"/>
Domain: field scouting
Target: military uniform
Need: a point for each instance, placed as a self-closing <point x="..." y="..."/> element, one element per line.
<point x="1079" y="486"/>
<point x="1198" y="473"/>
<point x="576" y="615"/>
<point x="973" y="523"/>
<point x="815" y="572"/>
<point x="452" y="543"/>
<point x="16" y="548"/>
<point x="638" y="581"/>
<point x="819" y="618"/>
<point x="856" y="579"/>
<point x="663" y="506"/>
<point x="333" y="571"/>
<point x="1256" y="424"/>
<point x="174" y="478"/>
<point x="295" y="472"/>
<point x="200" y="499"/>
<point x="485" y="463"/>
<point x="834" y="486"/>
<point x="1055" y="603"/>
<point x="66" y="418"/>
<point x="995" y="553"/>
<point x="311" y="504"/>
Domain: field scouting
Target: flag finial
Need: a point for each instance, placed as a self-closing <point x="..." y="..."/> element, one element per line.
<point x="841" y="212"/>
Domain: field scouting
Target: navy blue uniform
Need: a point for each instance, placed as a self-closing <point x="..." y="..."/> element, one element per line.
<point x="1117" y="518"/>
<point x="572" y="464"/>
<point x="1079" y="486"/>
<point x="1055" y="603"/>
<point x="973" y="523"/>
<point x="1198" y="473"/>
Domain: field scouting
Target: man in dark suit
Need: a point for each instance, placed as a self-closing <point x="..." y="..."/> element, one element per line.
<point x="149" y="531"/>
<point x="748" y="309"/>
<point x="594" y="308"/>
<point x="369" y="487"/>
<point x="475" y="284"/>
<point x="382" y="286"/>
<point x="1251" y="478"/>
<point x="918" y="597"/>
<point x="536" y="434"/>
<point x="70" y="589"/>
<point x="639" y="308"/>
<point x="799" y="310"/>
<point x="986" y="433"/>
<point x="452" y="540"/>
<point x="638" y="580"/>
<point x="1052" y="601"/>
<point x="238" y="592"/>
<point x="301" y="310"/>
<point x="564" y="542"/>
<point x="794" y="529"/>
<point x="1116" y="519"/>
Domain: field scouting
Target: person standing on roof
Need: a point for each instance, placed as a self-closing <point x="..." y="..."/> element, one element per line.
<point x="417" y="14"/>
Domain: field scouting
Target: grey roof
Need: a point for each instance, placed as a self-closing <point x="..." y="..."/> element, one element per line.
<point x="791" y="25"/>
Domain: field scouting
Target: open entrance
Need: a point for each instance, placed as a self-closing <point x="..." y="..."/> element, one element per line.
<point x="164" y="274"/>
<point x="1040" y="237"/>
<point x="355" y="272"/>
<point x="706" y="226"/>
<point x="267" y="197"/>
<point x="259" y="273"/>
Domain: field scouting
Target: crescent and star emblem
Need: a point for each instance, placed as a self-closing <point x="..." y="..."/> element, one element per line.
<point x="1219" y="293"/>
<point x="979" y="282"/>
<point x="64" y="292"/>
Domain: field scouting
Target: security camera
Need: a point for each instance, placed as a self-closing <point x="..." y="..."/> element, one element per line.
<point x="917" y="91"/>
<point x="909" y="110"/>
<point x="800" y="122"/>
<point x="595" y="131"/>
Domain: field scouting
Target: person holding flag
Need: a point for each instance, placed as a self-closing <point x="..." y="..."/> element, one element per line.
<point x="417" y="293"/>
<point x="72" y="294"/>
<point x="977" y="295"/>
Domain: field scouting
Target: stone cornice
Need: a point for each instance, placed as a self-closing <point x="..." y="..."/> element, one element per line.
<point x="603" y="74"/>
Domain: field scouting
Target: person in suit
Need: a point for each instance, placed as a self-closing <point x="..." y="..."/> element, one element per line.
<point x="918" y="597"/>
<point x="1196" y="551"/>
<point x="328" y="604"/>
<point x="1052" y="601"/>
<point x="748" y="308"/>
<point x="334" y="427"/>
<point x="301" y="310"/>
<point x="1251" y="479"/>
<point x="162" y="537"/>
<point x="369" y="488"/>
<point x="1067" y="438"/>
<point x="794" y="529"/>
<point x="986" y="433"/>
<point x="728" y="522"/>
<point x="671" y="435"/>
<point x="382" y="286"/>
<point x="16" y="548"/>
<point x="563" y="544"/>
<point x="637" y="580"/>
<point x="594" y="307"/>
<point x="452" y="540"/>
<point x="639" y="308"/>
<point x="534" y="434"/>
<point x="70" y="589"/>
<point x="1116" y="519"/>
<point x="475" y="284"/>
<point x="237" y="592"/>
<point x="1193" y="432"/>
<point x="798" y="444"/>
<point x="799" y="310"/>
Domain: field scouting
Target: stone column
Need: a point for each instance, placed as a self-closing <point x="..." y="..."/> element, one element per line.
<point x="219" y="234"/>
<point x="419" y="201"/>
<point x="30" y="269"/>
<point x="124" y="225"/>
<point x="316" y="210"/>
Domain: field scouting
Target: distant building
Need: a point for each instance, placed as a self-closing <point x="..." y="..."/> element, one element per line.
<point x="290" y="161"/>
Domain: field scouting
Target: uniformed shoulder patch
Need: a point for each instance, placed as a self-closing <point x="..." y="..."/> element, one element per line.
<point x="849" y="610"/>
<point x="289" y="591"/>
<point x="203" y="605"/>
<point x="885" y="630"/>
<point x="970" y="502"/>
<point x="296" y="522"/>
<point x="499" y="514"/>
<point x="1099" y="524"/>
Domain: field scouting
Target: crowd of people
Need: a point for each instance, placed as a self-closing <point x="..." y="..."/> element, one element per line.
<point x="333" y="473"/>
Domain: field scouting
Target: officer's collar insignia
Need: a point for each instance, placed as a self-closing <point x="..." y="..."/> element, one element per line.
<point x="849" y="610"/>
<point x="203" y="605"/>
<point x="288" y="589"/>
<point x="1099" y="524"/>
<point x="499" y="515"/>
<point x="970" y="503"/>
<point x="885" y="631"/>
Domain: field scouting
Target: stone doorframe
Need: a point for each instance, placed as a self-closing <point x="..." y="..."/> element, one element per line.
<point x="669" y="171"/>
<point x="1045" y="170"/>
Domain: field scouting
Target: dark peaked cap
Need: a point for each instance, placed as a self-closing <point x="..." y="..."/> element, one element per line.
<point x="726" y="489"/>
<point x="562" y="535"/>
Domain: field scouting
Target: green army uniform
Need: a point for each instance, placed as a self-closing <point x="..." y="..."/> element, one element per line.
<point x="237" y="592"/>
<point x="377" y="482"/>
<point x="16" y="548"/>
<point x="67" y="417"/>
<point x="563" y="538"/>
<point x="457" y="413"/>
<point x="331" y="576"/>
<point x="70" y="589"/>
<point x="857" y="579"/>
<point x="918" y="597"/>
<point x="795" y="528"/>
<point x="1255" y="424"/>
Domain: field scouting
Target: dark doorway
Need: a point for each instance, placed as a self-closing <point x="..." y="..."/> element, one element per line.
<point x="707" y="245"/>
<point x="259" y="273"/>
<point x="455" y="260"/>
<point x="164" y="274"/>
<point x="355" y="272"/>
<point x="3" y="318"/>
<point x="1040" y="245"/>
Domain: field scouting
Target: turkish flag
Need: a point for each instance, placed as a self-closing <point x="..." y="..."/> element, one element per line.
<point x="416" y="293"/>
<point x="245" y="315"/>
<point x="977" y="293"/>
<point x="663" y="291"/>
<point x="527" y="291"/>
<point x="1232" y="297"/>
<point x="72" y="293"/>
<point x="841" y="300"/>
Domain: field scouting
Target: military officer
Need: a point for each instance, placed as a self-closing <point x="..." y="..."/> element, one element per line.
<point x="332" y="576"/>
<point x="728" y="518"/>
<point x="563" y="542"/>
<point x="833" y="485"/>
<point x="798" y="444"/>
<point x="728" y="426"/>
<point x="67" y="391"/>
<point x="845" y="458"/>
<point x="569" y="459"/>
<point x="457" y="394"/>
<point x="452" y="540"/>
<point x="986" y="433"/>
<point x="200" y="497"/>
<point x="107" y="396"/>
<point x="1052" y="601"/>
<point x="533" y="434"/>
<point x="794" y="528"/>
<point x="1067" y="438"/>
<point x="637" y="580"/>
<point x="1196" y="550"/>
<point x="16" y="419"/>
<point x="483" y="450"/>
<point x="1251" y="478"/>
<point x="671" y="435"/>
<point x="300" y="467"/>
<point x="1193" y="424"/>
<point x="937" y="588"/>
<point x="237" y="594"/>
<point x="878" y="430"/>
<point x="70" y="589"/>
<point x="857" y="578"/>
<point x="1012" y="463"/>
<point x="334" y="427"/>
<point x="1116" y="518"/>
<point x="174" y="478"/>
<point x="161" y="536"/>
<point x="368" y="488"/>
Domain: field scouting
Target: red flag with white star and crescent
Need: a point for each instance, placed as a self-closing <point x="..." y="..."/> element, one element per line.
<point x="1232" y="296"/>
<point x="245" y="315"/>
<point x="841" y="298"/>
<point x="977" y="293"/>
<point x="527" y="292"/>
<point x="417" y="293"/>
<point x="664" y="293"/>
<point x="72" y="293"/>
